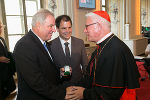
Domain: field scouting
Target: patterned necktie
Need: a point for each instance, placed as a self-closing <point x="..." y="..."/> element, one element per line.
<point x="47" y="50"/>
<point x="68" y="59"/>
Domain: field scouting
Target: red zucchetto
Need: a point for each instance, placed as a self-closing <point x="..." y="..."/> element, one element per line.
<point x="103" y="14"/>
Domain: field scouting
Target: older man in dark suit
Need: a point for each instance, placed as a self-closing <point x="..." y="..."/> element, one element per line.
<point x="38" y="77"/>
<point x="77" y="59"/>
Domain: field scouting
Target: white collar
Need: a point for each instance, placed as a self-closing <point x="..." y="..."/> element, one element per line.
<point x="63" y="41"/>
<point x="105" y="37"/>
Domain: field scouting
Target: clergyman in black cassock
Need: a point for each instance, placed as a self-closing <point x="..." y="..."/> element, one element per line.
<point x="112" y="73"/>
<point x="115" y="70"/>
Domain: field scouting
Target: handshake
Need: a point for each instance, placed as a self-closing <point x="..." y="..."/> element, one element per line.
<point x="74" y="93"/>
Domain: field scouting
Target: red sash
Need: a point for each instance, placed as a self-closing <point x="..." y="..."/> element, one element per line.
<point x="129" y="94"/>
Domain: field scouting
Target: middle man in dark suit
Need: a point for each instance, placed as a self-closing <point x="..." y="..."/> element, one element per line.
<point x="77" y="59"/>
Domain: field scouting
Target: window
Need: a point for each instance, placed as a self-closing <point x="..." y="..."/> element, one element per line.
<point x="103" y="5"/>
<point x="35" y="4"/>
<point x="18" y="18"/>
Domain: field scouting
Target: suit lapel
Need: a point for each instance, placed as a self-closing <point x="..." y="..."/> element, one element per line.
<point x="60" y="50"/>
<point x="39" y="44"/>
<point x="73" y="46"/>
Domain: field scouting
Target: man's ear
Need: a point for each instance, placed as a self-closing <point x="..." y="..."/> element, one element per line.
<point x="38" y="25"/>
<point x="98" y="27"/>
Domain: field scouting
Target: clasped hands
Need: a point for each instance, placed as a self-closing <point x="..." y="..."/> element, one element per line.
<point x="74" y="93"/>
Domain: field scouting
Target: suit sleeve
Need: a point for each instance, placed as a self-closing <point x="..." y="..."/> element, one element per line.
<point x="28" y="67"/>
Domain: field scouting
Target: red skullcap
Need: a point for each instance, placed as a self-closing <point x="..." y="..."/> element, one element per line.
<point x="102" y="14"/>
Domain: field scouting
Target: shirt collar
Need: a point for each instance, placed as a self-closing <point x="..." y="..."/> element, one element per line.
<point x="63" y="41"/>
<point x="105" y="37"/>
<point x="38" y="37"/>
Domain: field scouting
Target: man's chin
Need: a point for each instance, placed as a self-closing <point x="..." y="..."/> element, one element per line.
<point x="49" y="38"/>
<point x="67" y="38"/>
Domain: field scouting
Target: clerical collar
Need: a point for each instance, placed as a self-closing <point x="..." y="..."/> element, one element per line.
<point x="63" y="41"/>
<point x="105" y="37"/>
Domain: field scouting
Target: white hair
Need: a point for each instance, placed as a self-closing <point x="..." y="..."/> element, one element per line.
<point x="40" y="16"/>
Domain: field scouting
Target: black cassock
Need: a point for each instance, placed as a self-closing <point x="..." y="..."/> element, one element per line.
<point x="111" y="70"/>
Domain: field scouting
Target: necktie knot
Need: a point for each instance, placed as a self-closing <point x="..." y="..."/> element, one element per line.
<point x="66" y="44"/>
<point x="45" y="46"/>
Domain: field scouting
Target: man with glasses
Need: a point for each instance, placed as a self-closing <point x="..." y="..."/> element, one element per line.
<point x="112" y="73"/>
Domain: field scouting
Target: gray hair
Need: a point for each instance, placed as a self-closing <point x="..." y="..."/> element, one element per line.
<point x="98" y="19"/>
<point x="40" y="16"/>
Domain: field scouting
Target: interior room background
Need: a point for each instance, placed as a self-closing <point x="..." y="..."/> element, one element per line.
<point x="127" y="17"/>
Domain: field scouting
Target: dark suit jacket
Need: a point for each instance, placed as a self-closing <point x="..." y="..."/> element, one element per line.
<point x="3" y="66"/>
<point x="4" y="52"/>
<point x="38" y="77"/>
<point x="78" y="57"/>
<point x="7" y="84"/>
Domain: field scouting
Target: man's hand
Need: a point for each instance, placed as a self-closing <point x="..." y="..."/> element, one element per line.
<point x="4" y="59"/>
<point x="74" y="93"/>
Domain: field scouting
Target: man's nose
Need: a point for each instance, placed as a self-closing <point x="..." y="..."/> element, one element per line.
<point x="85" y="30"/>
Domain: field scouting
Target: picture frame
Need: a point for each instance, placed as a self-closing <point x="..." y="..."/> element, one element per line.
<point x="89" y="4"/>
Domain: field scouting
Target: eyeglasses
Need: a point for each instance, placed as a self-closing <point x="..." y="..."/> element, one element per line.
<point x="86" y="26"/>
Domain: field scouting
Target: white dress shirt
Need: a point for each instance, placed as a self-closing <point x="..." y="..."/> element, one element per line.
<point x="63" y="45"/>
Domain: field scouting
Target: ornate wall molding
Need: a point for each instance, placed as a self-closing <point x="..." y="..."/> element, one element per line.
<point x="52" y="5"/>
